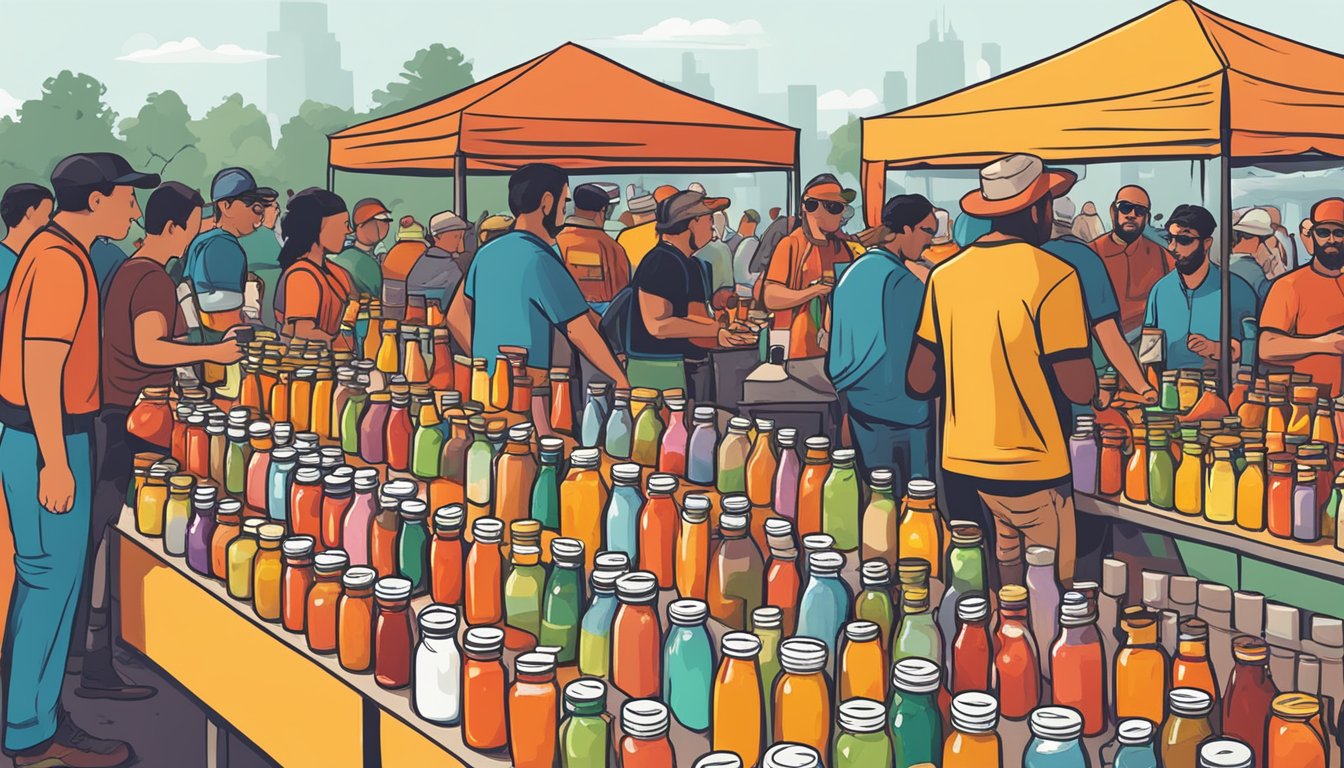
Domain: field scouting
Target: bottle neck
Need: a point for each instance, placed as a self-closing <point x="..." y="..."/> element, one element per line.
<point x="1144" y="635"/>
<point x="1193" y="650"/>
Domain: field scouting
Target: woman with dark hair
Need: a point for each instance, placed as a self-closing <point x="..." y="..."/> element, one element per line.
<point x="312" y="294"/>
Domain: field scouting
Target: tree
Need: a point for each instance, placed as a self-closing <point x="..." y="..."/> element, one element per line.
<point x="301" y="155"/>
<point x="235" y="133"/>
<point x="431" y="73"/>
<point x="844" y="155"/>
<point x="69" y="116"/>
<point x="159" y="134"/>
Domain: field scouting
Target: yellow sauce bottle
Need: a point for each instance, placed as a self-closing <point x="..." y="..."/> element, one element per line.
<point x="1251" y="493"/>
<point x="1189" y="488"/>
<point x="480" y="381"/>
<point x="266" y="571"/>
<point x="387" y="360"/>
<point x="242" y="550"/>
<point x="150" y="502"/>
<point x="1220" y="488"/>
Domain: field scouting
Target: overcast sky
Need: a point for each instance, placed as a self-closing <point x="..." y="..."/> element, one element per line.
<point x="843" y="45"/>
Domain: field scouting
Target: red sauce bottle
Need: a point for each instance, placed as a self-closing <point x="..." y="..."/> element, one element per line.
<point x="445" y="555"/>
<point x="1017" y="669"/>
<point x="392" y="641"/>
<point x="972" y="651"/>
<point x="296" y="580"/>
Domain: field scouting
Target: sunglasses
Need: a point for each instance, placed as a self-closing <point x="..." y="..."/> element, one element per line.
<point x="832" y="207"/>
<point x="930" y="231"/>
<point x="1325" y="233"/>
<point x="1125" y="208"/>
<point x="1182" y="239"/>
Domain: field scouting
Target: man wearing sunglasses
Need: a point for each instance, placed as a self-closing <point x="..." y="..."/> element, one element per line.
<point x="802" y="267"/>
<point x="1134" y="262"/>
<point x="1186" y="304"/>
<point x="215" y="263"/>
<point x="1302" y="323"/>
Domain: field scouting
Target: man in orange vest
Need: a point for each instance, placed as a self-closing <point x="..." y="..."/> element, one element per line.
<point x="597" y="262"/>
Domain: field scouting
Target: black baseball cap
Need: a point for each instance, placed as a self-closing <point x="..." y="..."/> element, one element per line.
<point x="88" y="169"/>
<point x="591" y="197"/>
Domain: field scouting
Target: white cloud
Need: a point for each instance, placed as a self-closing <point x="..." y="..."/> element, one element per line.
<point x="705" y="33"/>
<point x="838" y="100"/>
<point x="9" y="104"/>
<point x="189" y="50"/>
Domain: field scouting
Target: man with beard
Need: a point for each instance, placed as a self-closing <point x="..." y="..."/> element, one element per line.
<point x="1186" y="305"/>
<point x="1134" y="262"/>
<point x="517" y="291"/>
<point x="670" y="320"/>
<point x="1302" y="323"/>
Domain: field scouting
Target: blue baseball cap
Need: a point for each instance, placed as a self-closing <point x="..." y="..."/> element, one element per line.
<point x="232" y="183"/>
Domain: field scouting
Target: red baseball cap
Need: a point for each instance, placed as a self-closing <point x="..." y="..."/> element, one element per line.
<point x="1329" y="210"/>
<point x="371" y="208"/>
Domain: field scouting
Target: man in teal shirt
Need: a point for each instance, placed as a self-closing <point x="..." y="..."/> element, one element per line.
<point x="215" y="263"/>
<point x="875" y="310"/>
<point x="361" y="258"/>
<point x="1186" y="303"/>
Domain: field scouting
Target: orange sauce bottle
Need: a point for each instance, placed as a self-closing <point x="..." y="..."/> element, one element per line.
<point x="802" y="707"/>
<point x="1016" y="661"/>
<point x="228" y="526"/>
<point x="336" y="500"/>
<point x="295" y="581"/>
<point x="267" y="571"/>
<point x="515" y="472"/>
<point x="1136" y="470"/>
<point x="737" y="709"/>
<point x="305" y="503"/>
<point x="1279" y="496"/>
<point x="863" y="663"/>
<point x="1141" y="674"/>
<point x="583" y="497"/>
<point x="445" y="555"/>
<point x="483" y="581"/>
<point x="484" y="687"/>
<point x="323" y="393"/>
<point x="301" y="398"/>
<point x="816" y="465"/>
<point x="1296" y="737"/>
<point x="534" y="711"/>
<point x="692" y="561"/>
<point x="658" y="524"/>
<point x="636" y="654"/>
<point x="323" y="600"/>
<point x="280" y="397"/>
<point x="354" y="617"/>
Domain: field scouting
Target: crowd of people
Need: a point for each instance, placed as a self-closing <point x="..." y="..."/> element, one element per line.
<point x="961" y="348"/>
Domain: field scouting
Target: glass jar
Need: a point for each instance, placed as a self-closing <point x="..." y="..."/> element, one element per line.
<point x="863" y="663"/>
<point x="355" y="618"/>
<point x="1191" y="667"/>
<point x="323" y="598"/>
<point x="647" y="431"/>
<point x="880" y="519"/>
<point x="151" y="502"/>
<point x="242" y="553"/>
<point x="545" y="497"/>
<point x="1132" y="746"/>
<point x="1056" y="739"/>
<point x="201" y="529"/>
<point x="737" y="701"/>
<point x="1016" y="661"/>
<point x="921" y="531"/>
<point x="585" y="738"/>
<point x="1306" y="525"/>
<point x="483" y="578"/>
<point x="533" y="711"/>
<point x="1279" y="496"/>
<point x="1188" y="494"/>
<point x="1161" y="471"/>
<point x="702" y="445"/>
<point x="918" y="635"/>
<point x="1077" y="678"/>
<point x="1136" y="468"/>
<point x="1138" y="664"/>
<point x="688" y="664"/>
<point x="840" y="500"/>
<point x="972" y="651"/>
<point x="1296" y="735"/>
<point x="618" y="431"/>
<point x="731" y="465"/>
<point x="672" y="446"/>
<point x="1111" y="474"/>
<point x="437" y="691"/>
<point x="594" y="419"/>
<point x="787" y="475"/>
<point x="1250" y="695"/>
<point x="825" y="605"/>
<point x="874" y="600"/>
<point x="783" y="579"/>
<point x="562" y="604"/>
<point x="522" y="597"/>
<point x="228" y="526"/>
<point x="295" y="581"/>
<point x="621" y="518"/>
<point x="446" y="555"/>
<point x="762" y="466"/>
<point x="863" y="741"/>
<point x="916" y="722"/>
<point x="966" y="568"/>
<point x="413" y="545"/>
<point x="802" y="705"/>
<point x="352" y="415"/>
<point x="515" y="473"/>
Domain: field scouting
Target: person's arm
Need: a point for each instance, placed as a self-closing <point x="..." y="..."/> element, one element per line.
<point x="1120" y="355"/>
<point x="43" y="376"/>
<point x="1061" y="323"/>
<point x="924" y="374"/>
<point x="582" y="332"/>
<point x="1076" y="376"/>
<point x="779" y="297"/>
<point x="306" y="328"/>
<point x="458" y="319"/>
<point x="1279" y="347"/>
<point x="154" y="348"/>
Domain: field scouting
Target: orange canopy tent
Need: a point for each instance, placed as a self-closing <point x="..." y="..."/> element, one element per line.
<point x="570" y="107"/>
<point x="1179" y="82"/>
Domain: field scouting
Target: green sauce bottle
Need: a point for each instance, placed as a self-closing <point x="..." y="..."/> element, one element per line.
<point x="840" y="501"/>
<point x="1161" y="471"/>
<point x="563" y="600"/>
<point x="523" y="594"/>
<point x="863" y="741"/>
<point x="916" y="723"/>
<point x="585" y="738"/>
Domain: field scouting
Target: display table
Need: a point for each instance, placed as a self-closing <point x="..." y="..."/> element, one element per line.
<point x="1310" y="576"/>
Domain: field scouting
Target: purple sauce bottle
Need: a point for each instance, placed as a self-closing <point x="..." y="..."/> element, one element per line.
<point x="786" y="476"/>
<point x="1043" y="596"/>
<point x="373" y="428"/>
<point x="359" y="518"/>
<point x="202" y="528"/>
<point x="1084" y="457"/>
<point x="704" y="444"/>
<point x="1306" y="514"/>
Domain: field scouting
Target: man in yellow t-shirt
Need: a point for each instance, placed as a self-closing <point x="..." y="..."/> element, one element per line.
<point x="1003" y="339"/>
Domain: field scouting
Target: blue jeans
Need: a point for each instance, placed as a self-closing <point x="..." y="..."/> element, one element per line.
<point x="49" y="554"/>
<point x="903" y="449"/>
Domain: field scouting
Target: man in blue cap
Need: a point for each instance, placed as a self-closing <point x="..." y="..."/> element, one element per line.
<point x="215" y="264"/>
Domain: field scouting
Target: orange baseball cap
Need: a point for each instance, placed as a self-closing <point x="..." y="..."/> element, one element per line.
<point x="371" y="208"/>
<point x="826" y="187"/>
<point x="663" y="192"/>
<point x="1329" y="210"/>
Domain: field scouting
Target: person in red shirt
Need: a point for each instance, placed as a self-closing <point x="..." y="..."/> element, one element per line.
<point x="1134" y="262"/>
<point x="801" y="272"/>
<point x="1302" y="322"/>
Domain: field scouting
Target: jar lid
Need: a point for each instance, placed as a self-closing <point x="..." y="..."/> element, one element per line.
<point x="1193" y="628"/>
<point x="739" y="424"/>
<point x="1040" y="556"/>
<point x="1225" y="753"/>
<point x="196" y="419"/>
<point x="1250" y="649"/>
<point x="818" y="443"/>
<point x="765" y="425"/>
<point x="585" y="458"/>
<point x="862" y="716"/>
<point x="485" y="641"/>
<point x="336" y="482"/>
<point x="644" y="718"/>
<point x="236" y="433"/>
<point x="789" y="755"/>
<point x="875" y="573"/>
<point x="1135" y="730"/>
<point x="842" y="455"/>
<point x="688" y="612"/>
<point x="308" y="475"/>
<point x="1297" y="706"/>
<point x="695" y="508"/>
<point x="400" y="489"/>
<point x="330" y="561"/>
<point x="1074" y="609"/>
<point x="921" y="489"/>
<point x="787" y="437"/>
<point x="270" y="531"/>
<point x="966" y="533"/>
<point x="309" y="457"/>
<point x="1012" y="594"/>
<point x="604" y="581"/>
<point x="1189" y="702"/>
<point x="802" y="655"/>
<point x="1056" y="723"/>
<point x="880" y="478"/>
<point x="975" y="712"/>
<point x="566" y="552"/>
<point x="733" y="521"/>
<point x="534" y="663"/>
<point x="972" y="608"/>
<point x="252" y="526"/>
<point x="283" y="454"/>
<point x="414" y="509"/>
<point x="815" y="542"/>
<point x="358" y="577"/>
<point x="488" y="530"/>
<point x="637" y="587"/>
<point x="392" y="588"/>
<point x="736" y="503"/>
<point x="297" y="546"/>
<point x="662" y="483"/>
<point x="916" y="675"/>
<point x="181" y="482"/>
<point x="861" y="631"/>
<point x="450" y="516"/>
<point x="204" y="495"/>
<point x="718" y="760"/>
<point x="626" y="473"/>
<point x="615" y="562"/>
<point x="740" y="645"/>
<point x="643" y="393"/>
<point x="775" y="526"/>
<point x="594" y="388"/>
<point x="586" y="691"/>
<point x="767" y="617"/>
<point x="703" y="413"/>
<point x="230" y="506"/>
<point x="825" y="563"/>
<point x="551" y="445"/>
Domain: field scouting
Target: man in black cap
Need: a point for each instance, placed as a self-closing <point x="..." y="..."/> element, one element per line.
<point x="49" y="394"/>
<point x="215" y="263"/>
<point x="669" y="318"/>
<point x="597" y="262"/>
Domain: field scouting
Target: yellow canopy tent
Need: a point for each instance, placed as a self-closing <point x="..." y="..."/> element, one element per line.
<point x="1179" y="82"/>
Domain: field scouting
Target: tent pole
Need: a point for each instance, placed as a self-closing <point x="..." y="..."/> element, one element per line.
<point x="331" y="179"/>
<point x="460" y="185"/>
<point x="1225" y="248"/>
<point x="788" y="193"/>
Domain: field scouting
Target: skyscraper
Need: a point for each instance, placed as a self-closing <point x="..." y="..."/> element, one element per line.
<point x="803" y="116"/>
<point x="992" y="55"/>
<point x="693" y="81"/>
<point x="940" y="63"/>
<point x="308" y="64"/>
<point x="895" y="91"/>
